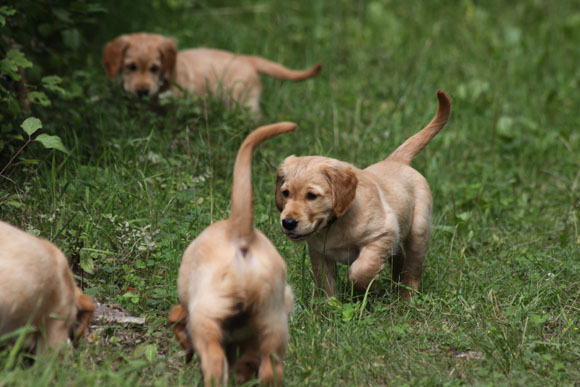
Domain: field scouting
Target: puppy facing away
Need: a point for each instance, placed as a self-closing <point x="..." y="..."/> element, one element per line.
<point x="37" y="288"/>
<point x="148" y="63"/>
<point x="234" y="300"/>
<point x="360" y="217"/>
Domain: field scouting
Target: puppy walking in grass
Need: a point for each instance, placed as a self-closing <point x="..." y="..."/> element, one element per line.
<point x="360" y="217"/>
<point x="37" y="288"/>
<point x="234" y="300"/>
<point x="148" y="63"/>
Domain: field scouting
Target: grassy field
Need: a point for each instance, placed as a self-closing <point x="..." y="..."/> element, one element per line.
<point x="499" y="303"/>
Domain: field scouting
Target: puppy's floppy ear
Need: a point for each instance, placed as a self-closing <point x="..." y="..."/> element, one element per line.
<point x="343" y="182"/>
<point x="178" y="319"/>
<point x="279" y="182"/>
<point x="168" y="57"/>
<point x="85" y="309"/>
<point x="113" y="55"/>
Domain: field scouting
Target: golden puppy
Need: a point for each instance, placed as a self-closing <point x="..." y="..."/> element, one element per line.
<point x="234" y="300"/>
<point x="361" y="217"/>
<point x="37" y="288"/>
<point x="148" y="63"/>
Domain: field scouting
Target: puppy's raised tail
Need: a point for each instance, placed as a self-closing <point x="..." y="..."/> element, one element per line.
<point x="415" y="144"/>
<point x="276" y="70"/>
<point x="242" y="215"/>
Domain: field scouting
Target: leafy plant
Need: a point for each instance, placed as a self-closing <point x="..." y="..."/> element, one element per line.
<point x="31" y="125"/>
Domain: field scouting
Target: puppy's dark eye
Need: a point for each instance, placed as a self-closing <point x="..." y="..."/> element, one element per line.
<point x="311" y="196"/>
<point x="131" y="67"/>
<point x="154" y="69"/>
<point x="285" y="193"/>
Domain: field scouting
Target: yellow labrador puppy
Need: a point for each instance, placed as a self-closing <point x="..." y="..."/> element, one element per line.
<point x="148" y="63"/>
<point x="360" y="217"/>
<point x="234" y="300"/>
<point x="37" y="288"/>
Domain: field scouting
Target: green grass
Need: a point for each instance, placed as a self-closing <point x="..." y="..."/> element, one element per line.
<point x="499" y="302"/>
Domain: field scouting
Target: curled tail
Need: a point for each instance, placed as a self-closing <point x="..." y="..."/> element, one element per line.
<point x="276" y="70"/>
<point x="415" y="144"/>
<point x="242" y="215"/>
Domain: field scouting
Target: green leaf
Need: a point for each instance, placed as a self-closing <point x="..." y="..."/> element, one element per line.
<point x="12" y="62"/>
<point x="31" y="125"/>
<point x="39" y="97"/>
<point x="51" y="142"/>
<point x="133" y="297"/>
<point x="5" y="11"/>
<point x="18" y="58"/>
<point x="62" y="15"/>
<point x="87" y="263"/>
<point x="51" y="83"/>
<point x="348" y="313"/>
<point x="539" y="319"/>
<point x="150" y="352"/>
<point x="464" y="216"/>
<point x="71" y="38"/>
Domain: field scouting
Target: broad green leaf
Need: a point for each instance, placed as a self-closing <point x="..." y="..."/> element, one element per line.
<point x="18" y="58"/>
<point x="150" y="352"/>
<point x="31" y="125"/>
<point x="133" y="297"/>
<point x="39" y="97"/>
<point x="51" y="142"/>
<point x="4" y="10"/>
<point x="71" y="38"/>
<point x="86" y="262"/>
<point x="12" y="62"/>
<point x="52" y="82"/>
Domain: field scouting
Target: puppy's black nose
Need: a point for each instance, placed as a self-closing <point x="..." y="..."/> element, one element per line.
<point x="289" y="224"/>
<point x="142" y="93"/>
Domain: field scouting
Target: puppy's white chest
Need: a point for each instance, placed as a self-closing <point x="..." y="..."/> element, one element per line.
<point x="338" y="252"/>
<point x="345" y="255"/>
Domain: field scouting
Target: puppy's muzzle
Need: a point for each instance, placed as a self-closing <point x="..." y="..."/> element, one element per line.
<point x="289" y="224"/>
<point x="142" y="93"/>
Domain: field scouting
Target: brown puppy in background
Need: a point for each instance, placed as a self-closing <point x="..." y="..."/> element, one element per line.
<point x="359" y="217"/>
<point x="234" y="300"/>
<point x="37" y="288"/>
<point x="148" y="63"/>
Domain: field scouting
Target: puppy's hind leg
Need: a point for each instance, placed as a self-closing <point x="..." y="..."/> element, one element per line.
<point x="273" y="339"/>
<point x="272" y="349"/>
<point x="416" y="246"/>
<point x="207" y="340"/>
<point x="397" y="261"/>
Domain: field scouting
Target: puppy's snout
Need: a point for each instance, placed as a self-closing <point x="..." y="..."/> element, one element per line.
<point x="142" y="93"/>
<point x="289" y="224"/>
